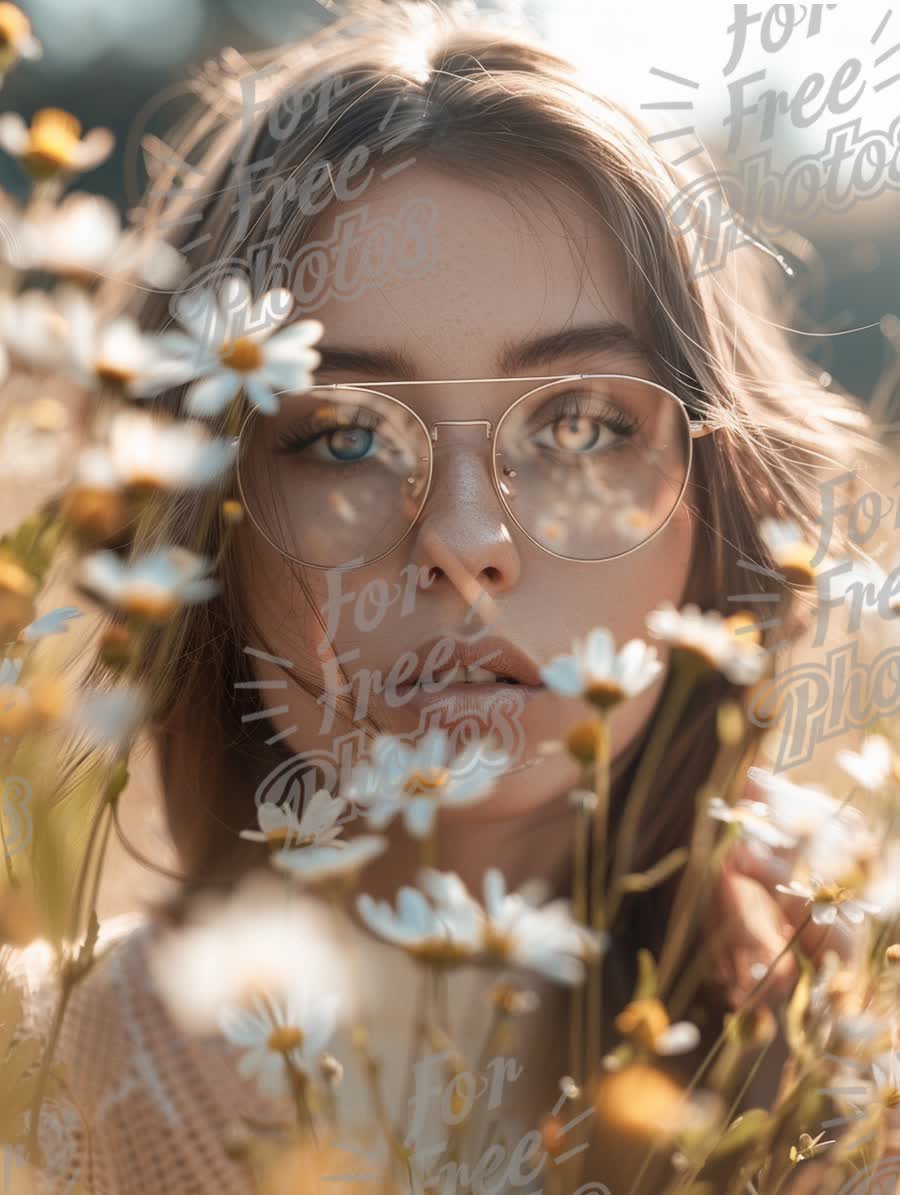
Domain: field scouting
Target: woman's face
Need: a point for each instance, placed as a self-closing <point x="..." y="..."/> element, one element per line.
<point x="500" y="283"/>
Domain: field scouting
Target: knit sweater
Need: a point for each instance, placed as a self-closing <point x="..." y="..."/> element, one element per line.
<point x="152" y="1106"/>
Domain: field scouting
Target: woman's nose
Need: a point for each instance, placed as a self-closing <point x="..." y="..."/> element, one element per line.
<point x="463" y="533"/>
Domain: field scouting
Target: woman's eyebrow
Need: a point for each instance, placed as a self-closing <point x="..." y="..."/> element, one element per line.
<point x="513" y="358"/>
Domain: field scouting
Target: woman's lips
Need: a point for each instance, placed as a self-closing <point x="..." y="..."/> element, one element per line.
<point x="464" y="700"/>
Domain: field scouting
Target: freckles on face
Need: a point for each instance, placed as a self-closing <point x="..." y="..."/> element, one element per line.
<point x="510" y="292"/>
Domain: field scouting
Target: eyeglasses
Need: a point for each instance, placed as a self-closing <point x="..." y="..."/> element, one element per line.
<point x="587" y="466"/>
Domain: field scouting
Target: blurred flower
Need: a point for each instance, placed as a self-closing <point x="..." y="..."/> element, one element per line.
<point x="53" y="145"/>
<point x="16" y="39"/>
<point x="82" y="237"/>
<point x="449" y="934"/>
<point x="17" y="590"/>
<point x="317" y="826"/>
<point x="598" y="674"/>
<point x="793" y="556"/>
<point x="833" y="838"/>
<point x="33" y="330"/>
<point x="233" y="343"/>
<point x="646" y="1023"/>
<point x="263" y="941"/>
<point x="415" y="781"/>
<point x="884" y="887"/>
<point x="56" y="622"/>
<point x="282" y="1033"/>
<point x="100" y="352"/>
<point x="30" y="706"/>
<point x="829" y="901"/>
<point x="545" y="940"/>
<point x="109" y="717"/>
<point x="153" y="586"/>
<point x="36" y="441"/>
<point x="754" y="819"/>
<point x="872" y="767"/>
<point x="730" y="645"/>
<point x="341" y="862"/>
<point x="508" y="930"/>
<point x="162" y="454"/>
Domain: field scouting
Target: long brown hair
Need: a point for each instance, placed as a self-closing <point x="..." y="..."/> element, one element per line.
<point x="493" y="106"/>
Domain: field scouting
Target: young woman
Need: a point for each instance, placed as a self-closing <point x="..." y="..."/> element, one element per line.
<point x="489" y="248"/>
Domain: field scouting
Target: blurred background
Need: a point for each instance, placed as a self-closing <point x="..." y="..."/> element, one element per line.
<point x="127" y="64"/>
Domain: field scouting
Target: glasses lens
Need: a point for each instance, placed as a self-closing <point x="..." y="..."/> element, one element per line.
<point x="592" y="467"/>
<point x="337" y="477"/>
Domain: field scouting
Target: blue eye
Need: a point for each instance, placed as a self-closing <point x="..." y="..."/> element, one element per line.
<point x="349" y="443"/>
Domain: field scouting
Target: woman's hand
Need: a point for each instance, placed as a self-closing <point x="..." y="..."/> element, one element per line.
<point x="760" y="922"/>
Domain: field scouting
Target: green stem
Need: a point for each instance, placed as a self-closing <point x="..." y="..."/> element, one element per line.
<point x="679" y="690"/>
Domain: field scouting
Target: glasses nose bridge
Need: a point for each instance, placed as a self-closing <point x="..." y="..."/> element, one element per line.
<point x="485" y="423"/>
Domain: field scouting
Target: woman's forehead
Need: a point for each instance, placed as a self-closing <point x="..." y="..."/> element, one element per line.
<point x="499" y="271"/>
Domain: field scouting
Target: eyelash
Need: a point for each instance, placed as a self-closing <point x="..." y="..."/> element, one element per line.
<point x="567" y="405"/>
<point x="309" y="430"/>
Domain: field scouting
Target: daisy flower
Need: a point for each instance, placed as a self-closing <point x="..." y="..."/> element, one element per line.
<point x="109" y="717"/>
<point x="337" y="862"/>
<point x="279" y="1035"/>
<point x="598" y="674"/>
<point x="55" y="622"/>
<point x="754" y="820"/>
<point x="829" y="901"/>
<point x="16" y="39"/>
<point x="112" y="353"/>
<point x="834" y="839"/>
<point x="730" y="645"/>
<point x="262" y="942"/>
<point x="82" y="237"/>
<point x="545" y="940"/>
<point x="53" y="146"/>
<point x="232" y="343"/>
<point x="788" y="547"/>
<point x="318" y="825"/>
<point x="33" y="331"/>
<point x="446" y="935"/>
<point x="415" y="781"/>
<point x="872" y="767"/>
<point x="161" y="454"/>
<point x="153" y="586"/>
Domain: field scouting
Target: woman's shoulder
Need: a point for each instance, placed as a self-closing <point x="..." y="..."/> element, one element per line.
<point x="156" y="1104"/>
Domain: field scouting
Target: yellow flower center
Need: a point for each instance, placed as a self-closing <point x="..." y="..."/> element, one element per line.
<point x="795" y="562"/>
<point x="426" y="783"/>
<point x="604" y="693"/>
<point x="113" y="372"/>
<point x="53" y="142"/>
<point x="150" y="604"/>
<point x="582" y="741"/>
<point x="284" y="1038"/>
<point x="644" y="1022"/>
<point x="743" y="628"/>
<point x="14" y="579"/>
<point x="440" y="951"/>
<point x="242" y="355"/>
<point x="831" y="894"/>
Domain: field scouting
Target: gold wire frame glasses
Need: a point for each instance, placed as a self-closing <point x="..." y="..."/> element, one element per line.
<point x="588" y="467"/>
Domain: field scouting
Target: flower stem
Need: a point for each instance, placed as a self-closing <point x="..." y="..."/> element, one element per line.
<point x="679" y="690"/>
<point x="599" y="830"/>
